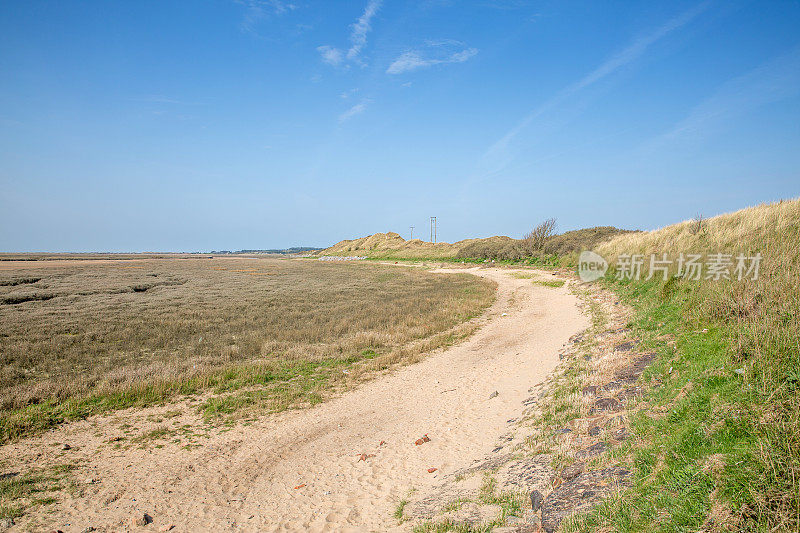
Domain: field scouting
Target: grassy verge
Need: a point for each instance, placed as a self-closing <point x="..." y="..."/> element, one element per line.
<point x="697" y="455"/>
<point x="717" y="437"/>
<point x="544" y="262"/>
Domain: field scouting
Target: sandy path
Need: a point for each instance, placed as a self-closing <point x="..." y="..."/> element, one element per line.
<point x="245" y="479"/>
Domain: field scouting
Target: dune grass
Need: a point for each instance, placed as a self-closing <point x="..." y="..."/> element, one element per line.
<point x="718" y="441"/>
<point x="253" y="333"/>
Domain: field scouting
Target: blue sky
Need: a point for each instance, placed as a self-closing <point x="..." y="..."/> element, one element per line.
<point x="181" y="126"/>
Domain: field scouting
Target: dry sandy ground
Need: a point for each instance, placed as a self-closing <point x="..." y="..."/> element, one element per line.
<point x="301" y="470"/>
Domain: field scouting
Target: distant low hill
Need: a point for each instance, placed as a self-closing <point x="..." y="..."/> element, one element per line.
<point x="281" y="251"/>
<point x="392" y="246"/>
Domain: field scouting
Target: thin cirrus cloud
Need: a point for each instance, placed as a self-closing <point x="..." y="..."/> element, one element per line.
<point x="330" y="55"/>
<point x="435" y="53"/>
<point x="257" y="10"/>
<point x="353" y="111"/>
<point x="772" y="81"/>
<point x="497" y="154"/>
<point x="358" y="39"/>
<point x="360" y="29"/>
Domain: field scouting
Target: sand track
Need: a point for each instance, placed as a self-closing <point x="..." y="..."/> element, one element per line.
<point x="245" y="478"/>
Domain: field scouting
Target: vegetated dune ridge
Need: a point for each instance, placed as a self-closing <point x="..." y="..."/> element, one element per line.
<point x="304" y="470"/>
<point x="392" y="246"/>
<point x="730" y="383"/>
<point x="748" y="230"/>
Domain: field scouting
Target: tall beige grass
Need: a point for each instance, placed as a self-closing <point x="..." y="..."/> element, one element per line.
<point x="747" y="230"/>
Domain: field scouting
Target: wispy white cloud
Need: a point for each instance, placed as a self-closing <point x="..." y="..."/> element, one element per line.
<point x="635" y="50"/>
<point x="434" y="53"/>
<point x="358" y="38"/>
<point x="772" y="81"/>
<point x="353" y="111"/>
<point x="360" y="29"/>
<point x="161" y="99"/>
<point x="506" y="4"/>
<point x="330" y="55"/>
<point x="257" y="10"/>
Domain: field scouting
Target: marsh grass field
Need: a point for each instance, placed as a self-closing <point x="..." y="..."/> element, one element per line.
<point x="84" y="337"/>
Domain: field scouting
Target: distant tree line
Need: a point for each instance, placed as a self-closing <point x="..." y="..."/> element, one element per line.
<point x="282" y="251"/>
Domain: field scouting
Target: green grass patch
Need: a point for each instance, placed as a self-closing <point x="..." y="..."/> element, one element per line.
<point x="704" y="457"/>
<point x="450" y="526"/>
<point x="510" y="505"/>
<point x="19" y="492"/>
<point x="398" y="511"/>
<point x="554" y="283"/>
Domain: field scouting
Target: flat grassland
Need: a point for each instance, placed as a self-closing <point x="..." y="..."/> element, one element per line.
<point x="84" y="337"/>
